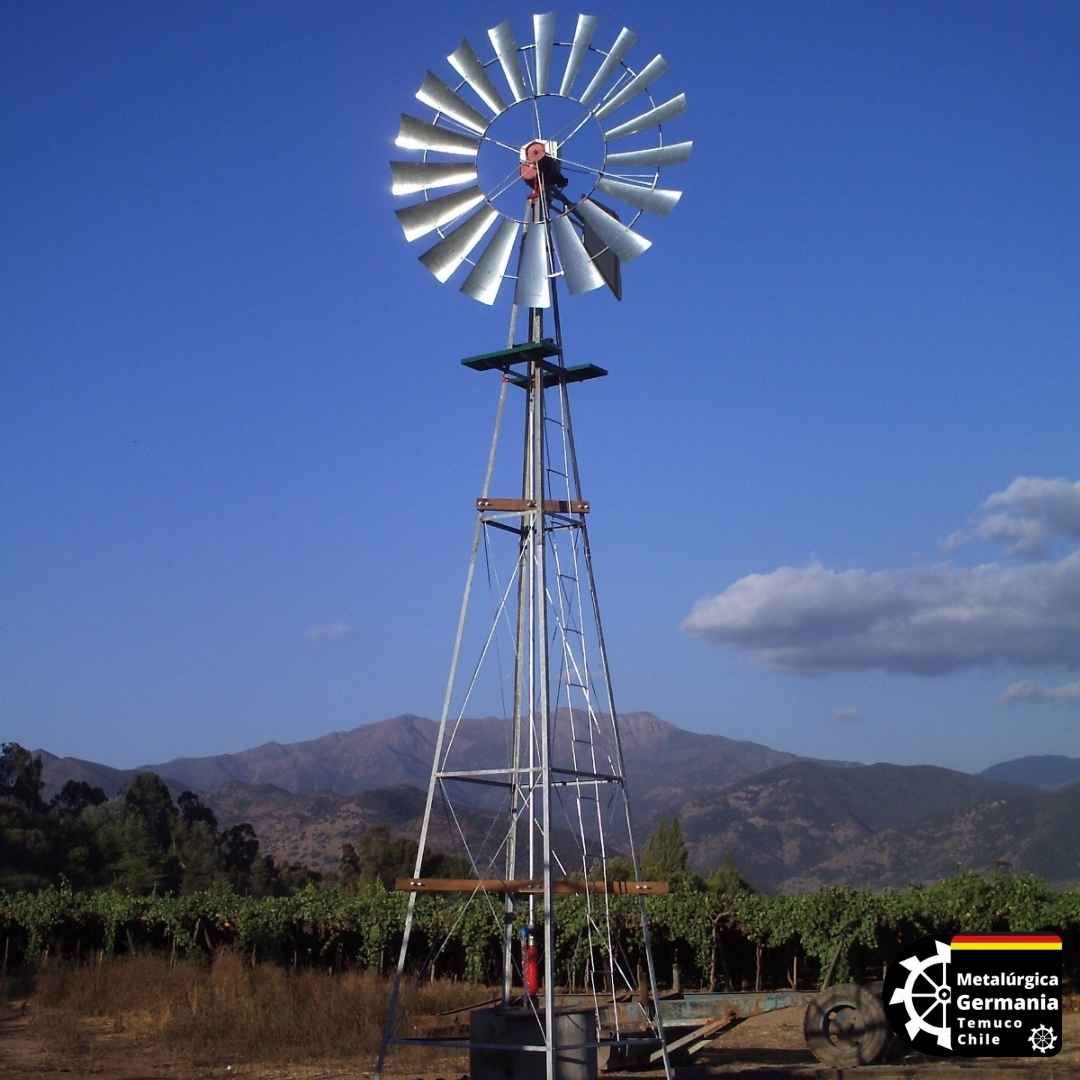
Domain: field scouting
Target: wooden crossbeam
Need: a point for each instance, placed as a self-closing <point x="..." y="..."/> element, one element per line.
<point x="551" y="506"/>
<point x="530" y="885"/>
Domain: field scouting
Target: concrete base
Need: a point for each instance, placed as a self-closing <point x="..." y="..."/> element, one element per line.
<point x="517" y="1026"/>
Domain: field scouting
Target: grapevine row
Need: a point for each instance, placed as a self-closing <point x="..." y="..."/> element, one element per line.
<point x="705" y="932"/>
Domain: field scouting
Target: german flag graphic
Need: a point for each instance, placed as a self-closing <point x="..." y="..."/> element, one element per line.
<point x="1007" y="942"/>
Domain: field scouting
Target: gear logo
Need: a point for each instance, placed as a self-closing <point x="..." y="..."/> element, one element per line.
<point x="1042" y="1039"/>
<point x="926" y="996"/>
<point x="977" y="995"/>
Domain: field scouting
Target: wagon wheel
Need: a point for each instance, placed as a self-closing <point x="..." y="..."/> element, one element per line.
<point x="846" y="1025"/>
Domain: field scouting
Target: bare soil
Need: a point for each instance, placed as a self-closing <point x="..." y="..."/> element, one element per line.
<point x="762" y="1047"/>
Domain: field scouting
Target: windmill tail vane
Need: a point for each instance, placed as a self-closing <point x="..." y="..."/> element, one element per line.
<point x="528" y="779"/>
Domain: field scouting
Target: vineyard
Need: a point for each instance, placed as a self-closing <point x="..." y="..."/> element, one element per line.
<point x="719" y="938"/>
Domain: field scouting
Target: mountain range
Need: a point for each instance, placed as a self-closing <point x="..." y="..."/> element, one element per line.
<point x="788" y="822"/>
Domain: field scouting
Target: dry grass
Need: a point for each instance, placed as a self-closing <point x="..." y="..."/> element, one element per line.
<point x="229" y="1010"/>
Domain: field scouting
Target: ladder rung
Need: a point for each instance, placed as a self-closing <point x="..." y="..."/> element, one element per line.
<point x="580" y="686"/>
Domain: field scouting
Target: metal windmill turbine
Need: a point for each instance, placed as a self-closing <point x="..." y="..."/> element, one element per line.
<point x="559" y="770"/>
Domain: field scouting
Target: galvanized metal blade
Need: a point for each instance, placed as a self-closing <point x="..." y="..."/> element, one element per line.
<point x="505" y="46"/>
<point x="644" y="78"/>
<point x="605" y="260"/>
<point x="626" y="40"/>
<point x="409" y="177"/>
<point x="452" y="250"/>
<point x="486" y="276"/>
<point x="544" y="40"/>
<point x="675" y="154"/>
<point x="533" y="288"/>
<point x="420" y="219"/>
<point x="658" y="200"/>
<point x="579" y="270"/>
<point x="671" y="108"/>
<point x="467" y="64"/>
<point x="579" y="49"/>
<point x="622" y="240"/>
<point x="437" y="95"/>
<point x="417" y="135"/>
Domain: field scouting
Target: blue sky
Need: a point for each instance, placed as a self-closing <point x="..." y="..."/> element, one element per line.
<point x="232" y="408"/>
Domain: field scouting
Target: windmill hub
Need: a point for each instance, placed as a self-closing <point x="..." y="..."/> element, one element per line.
<point x="534" y="151"/>
<point x="540" y="167"/>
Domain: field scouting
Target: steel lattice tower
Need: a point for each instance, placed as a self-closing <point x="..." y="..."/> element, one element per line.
<point x="540" y="804"/>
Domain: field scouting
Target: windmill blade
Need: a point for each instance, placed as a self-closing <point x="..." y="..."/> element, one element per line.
<point x="544" y="39"/>
<point x="409" y="177"/>
<point x="437" y="95"/>
<point x="416" y="135"/>
<point x="674" y="154"/>
<point x="658" y="200"/>
<point x="622" y="240"/>
<point x="486" y="276"/>
<point x="583" y="34"/>
<point x="467" y="64"/>
<point x="505" y="46"/>
<point x="533" y="288"/>
<point x="645" y="77"/>
<point x="452" y="250"/>
<point x="605" y="260"/>
<point x="579" y="270"/>
<point x="671" y="108"/>
<point x="626" y="40"/>
<point x="421" y="218"/>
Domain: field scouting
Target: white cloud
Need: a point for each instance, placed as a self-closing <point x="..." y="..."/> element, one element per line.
<point x="330" y="632"/>
<point x="847" y="715"/>
<point x="1033" y="694"/>
<point x="929" y="621"/>
<point x="1027" y="517"/>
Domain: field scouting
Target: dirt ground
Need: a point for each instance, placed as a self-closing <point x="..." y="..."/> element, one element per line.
<point x="763" y="1047"/>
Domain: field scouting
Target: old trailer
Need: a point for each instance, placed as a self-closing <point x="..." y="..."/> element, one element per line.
<point x="844" y="1025"/>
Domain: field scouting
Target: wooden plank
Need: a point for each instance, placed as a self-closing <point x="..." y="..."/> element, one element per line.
<point x="524" y="506"/>
<point x="696" y="1040"/>
<point x="530" y="885"/>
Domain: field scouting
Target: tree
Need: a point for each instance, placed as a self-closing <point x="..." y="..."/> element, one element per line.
<point x="20" y="776"/>
<point x="293" y="877"/>
<point x="75" y="796"/>
<point x="385" y="857"/>
<point x="239" y="848"/>
<point x="141" y="840"/>
<point x="193" y="811"/>
<point x="197" y="844"/>
<point x="148" y="798"/>
<point x="665" y="854"/>
<point x="349" y="868"/>
<point x="726" y="881"/>
<point x="620" y="868"/>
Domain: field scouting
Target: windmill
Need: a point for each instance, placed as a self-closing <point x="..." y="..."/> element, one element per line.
<point x="535" y="144"/>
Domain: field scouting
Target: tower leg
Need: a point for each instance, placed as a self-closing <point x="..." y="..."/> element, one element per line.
<point x="395" y="993"/>
<point x="539" y="562"/>
<point x="646" y="935"/>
